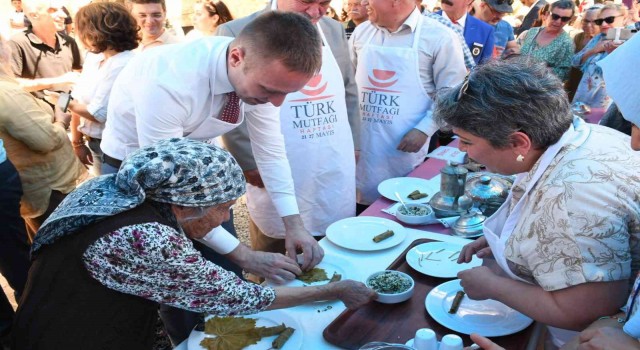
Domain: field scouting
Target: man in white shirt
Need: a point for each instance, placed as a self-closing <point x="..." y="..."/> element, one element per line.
<point x="402" y="58"/>
<point x="317" y="124"/>
<point x="187" y="90"/>
<point x="151" y="16"/>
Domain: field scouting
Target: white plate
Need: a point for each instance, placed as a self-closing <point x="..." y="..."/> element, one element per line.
<point x="357" y="233"/>
<point x="264" y="319"/>
<point x="487" y="317"/>
<point x="406" y="185"/>
<point x="422" y="258"/>
<point x="331" y="264"/>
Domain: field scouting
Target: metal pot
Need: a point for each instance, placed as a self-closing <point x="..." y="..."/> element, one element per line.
<point x="469" y="224"/>
<point x="488" y="191"/>
<point x="451" y="200"/>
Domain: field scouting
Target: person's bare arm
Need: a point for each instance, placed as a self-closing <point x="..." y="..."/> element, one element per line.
<point x="353" y="294"/>
<point x="569" y="308"/>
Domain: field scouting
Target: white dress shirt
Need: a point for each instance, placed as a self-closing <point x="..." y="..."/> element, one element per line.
<point x="441" y="62"/>
<point x="160" y="94"/>
<point x="94" y="87"/>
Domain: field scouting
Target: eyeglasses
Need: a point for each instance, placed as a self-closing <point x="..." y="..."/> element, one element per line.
<point x="564" y="19"/>
<point x="609" y="20"/>
<point x="463" y="87"/>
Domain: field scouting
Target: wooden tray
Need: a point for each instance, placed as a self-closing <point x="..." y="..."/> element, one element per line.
<point x="397" y="323"/>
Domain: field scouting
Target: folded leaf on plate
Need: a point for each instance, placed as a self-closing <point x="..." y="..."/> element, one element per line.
<point x="316" y="274"/>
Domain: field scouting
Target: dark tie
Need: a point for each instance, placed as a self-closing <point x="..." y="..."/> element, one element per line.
<point x="231" y="110"/>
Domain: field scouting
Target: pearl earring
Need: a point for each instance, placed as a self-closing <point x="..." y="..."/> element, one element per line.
<point x="520" y="158"/>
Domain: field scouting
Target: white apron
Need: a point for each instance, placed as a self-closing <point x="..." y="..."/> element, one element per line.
<point x="319" y="146"/>
<point x="392" y="102"/>
<point x="500" y="226"/>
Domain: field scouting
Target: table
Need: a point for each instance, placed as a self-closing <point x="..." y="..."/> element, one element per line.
<point x="364" y="263"/>
<point x="314" y="319"/>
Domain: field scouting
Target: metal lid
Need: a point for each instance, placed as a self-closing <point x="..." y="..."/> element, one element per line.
<point x="485" y="187"/>
<point x="469" y="224"/>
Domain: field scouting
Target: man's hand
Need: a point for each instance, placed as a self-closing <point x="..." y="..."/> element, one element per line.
<point x="273" y="266"/>
<point x="298" y="238"/>
<point x="608" y="338"/>
<point x="478" y="282"/>
<point x="253" y="177"/>
<point x="84" y="154"/>
<point x="479" y="247"/>
<point x="354" y="294"/>
<point x="51" y="97"/>
<point x="413" y="141"/>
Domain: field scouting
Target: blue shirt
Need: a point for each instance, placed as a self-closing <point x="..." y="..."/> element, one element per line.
<point x="502" y="34"/>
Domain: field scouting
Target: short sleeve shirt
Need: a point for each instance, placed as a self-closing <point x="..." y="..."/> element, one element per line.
<point x="502" y="34"/>
<point x="581" y="220"/>
<point x="33" y="59"/>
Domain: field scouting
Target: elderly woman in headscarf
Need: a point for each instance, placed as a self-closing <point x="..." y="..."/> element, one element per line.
<point x="119" y="245"/>
<point x="565" y="242"/>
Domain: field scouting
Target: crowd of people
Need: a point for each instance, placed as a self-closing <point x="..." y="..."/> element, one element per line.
<point x="123" y="148"/>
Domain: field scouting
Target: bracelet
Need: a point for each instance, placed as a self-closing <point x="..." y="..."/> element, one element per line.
<point x="618" y="319"/>
<point x="77" y="144"/>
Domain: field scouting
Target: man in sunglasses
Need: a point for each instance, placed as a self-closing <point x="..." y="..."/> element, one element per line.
<point x="491" y="12"/>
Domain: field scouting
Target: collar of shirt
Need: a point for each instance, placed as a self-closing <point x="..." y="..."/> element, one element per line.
<point x="35" y="40"/>
<point x="220" y="83"/>
<point x="461" y="21"/>
<point x="410" y="23"/>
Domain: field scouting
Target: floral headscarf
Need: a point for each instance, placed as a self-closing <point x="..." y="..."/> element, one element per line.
<point x="174" y="171"/>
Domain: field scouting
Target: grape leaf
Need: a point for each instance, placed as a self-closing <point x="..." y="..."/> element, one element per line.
<point x="316" y="274"/>
<point x="232" y="333"/>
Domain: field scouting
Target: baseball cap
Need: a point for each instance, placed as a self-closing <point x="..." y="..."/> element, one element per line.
<point x="500" y="5"/>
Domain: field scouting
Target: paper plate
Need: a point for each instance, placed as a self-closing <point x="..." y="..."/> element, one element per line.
<point x="264" y="319"/>
<point x="438" y="259"/>
<point x="487" y="317"/>
<point x="357" y="233"/>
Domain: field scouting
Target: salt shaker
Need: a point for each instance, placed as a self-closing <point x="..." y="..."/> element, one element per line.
<point x="451" y="342"/>
<point x="425" y="339"/>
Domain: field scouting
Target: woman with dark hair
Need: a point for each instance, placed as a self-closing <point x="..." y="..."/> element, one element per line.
<point x="543" y="13"/>
<point x="564" y="245"/>
<point x="551" y="44"/>
<point x="109" y="33"/>
<point x="207" y="16"/>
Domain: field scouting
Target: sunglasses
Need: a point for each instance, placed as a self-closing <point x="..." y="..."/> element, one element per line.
<point x="562" y="18"/>
<point x="609" y="20"/>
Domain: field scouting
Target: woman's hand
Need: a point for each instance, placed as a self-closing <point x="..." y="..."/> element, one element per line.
<point x="478" y="282"/>
<point x="608" y="338"/>
<point x="611" y="45"/>
<point x="354" y="294"/>
<point x="479" y="247"/>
